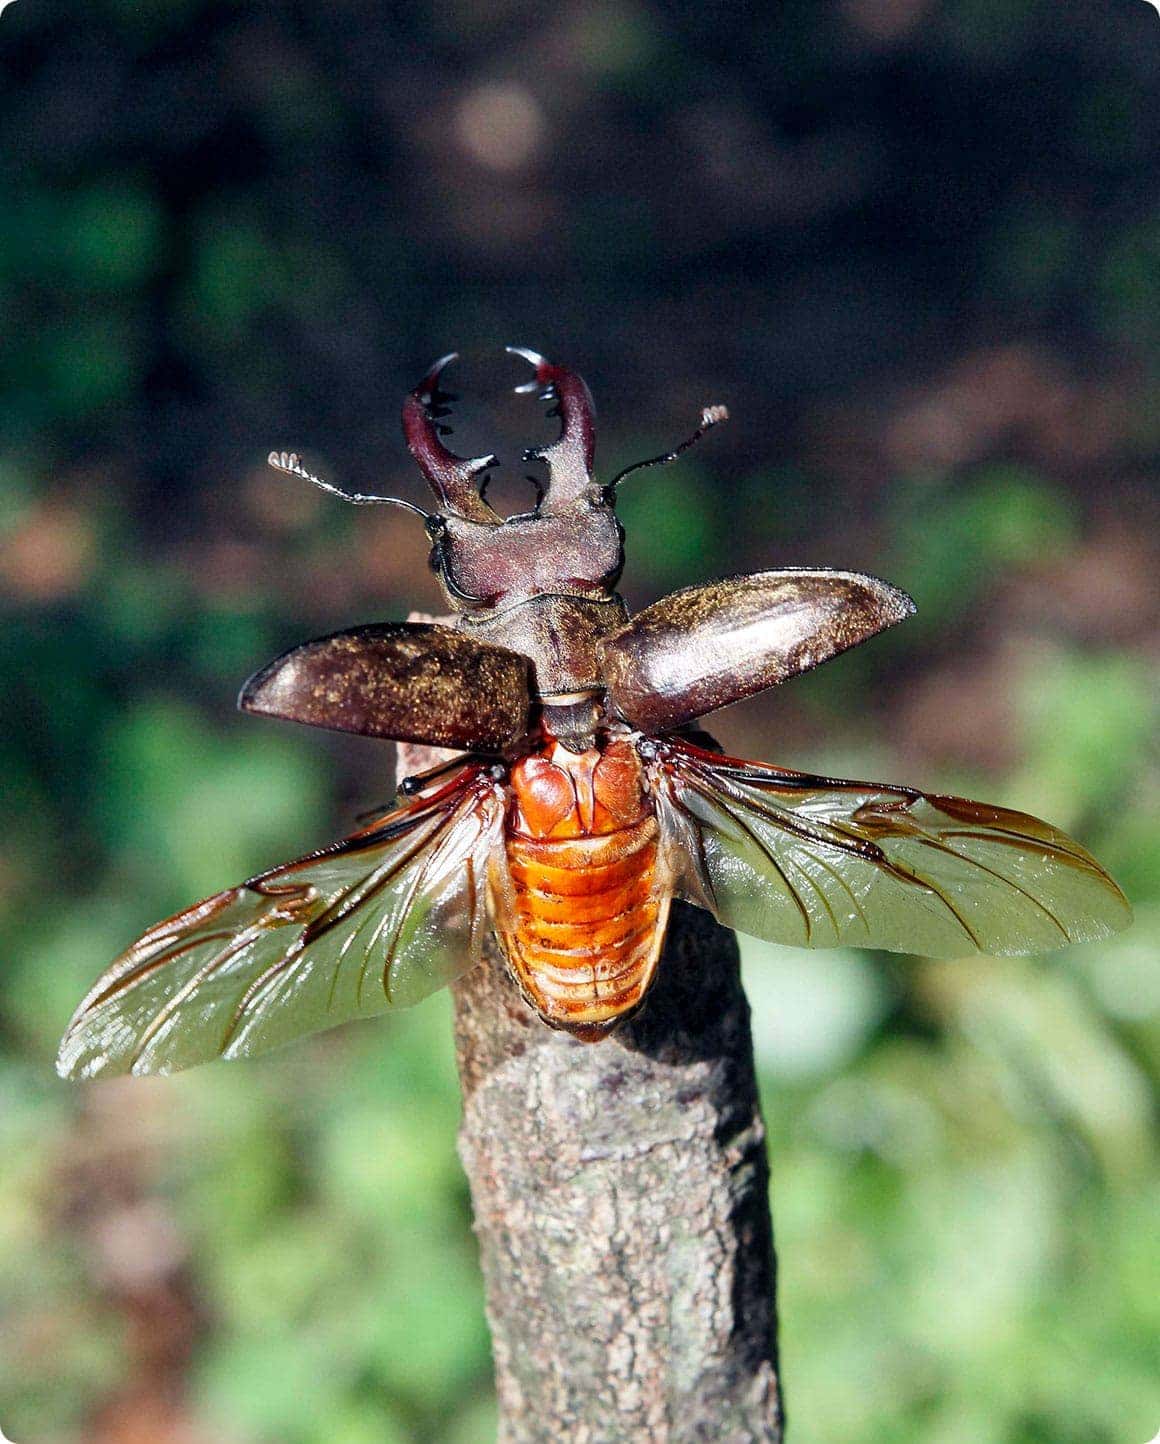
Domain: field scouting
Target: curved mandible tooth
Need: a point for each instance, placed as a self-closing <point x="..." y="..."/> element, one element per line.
<point x="452" y="478"/>
<point x="570" y="458"/>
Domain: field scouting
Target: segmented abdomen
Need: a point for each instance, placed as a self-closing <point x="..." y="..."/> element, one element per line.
<point x="586" y="916"/>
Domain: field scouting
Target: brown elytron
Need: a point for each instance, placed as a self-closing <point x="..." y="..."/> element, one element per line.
<point x="586" y="912"/>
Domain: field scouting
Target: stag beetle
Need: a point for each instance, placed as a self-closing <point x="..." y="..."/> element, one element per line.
<point x="579" y="802"/>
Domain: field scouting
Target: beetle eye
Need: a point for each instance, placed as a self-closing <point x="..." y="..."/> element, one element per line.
<point x="602" y="496"/>
<point x="436" y="527"/>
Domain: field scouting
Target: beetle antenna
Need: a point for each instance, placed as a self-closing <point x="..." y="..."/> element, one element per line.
<point x="711" y="416"/>
<point x="288" y="462"/>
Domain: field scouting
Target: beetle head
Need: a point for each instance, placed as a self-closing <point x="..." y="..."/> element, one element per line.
<point x="570" y="544"/>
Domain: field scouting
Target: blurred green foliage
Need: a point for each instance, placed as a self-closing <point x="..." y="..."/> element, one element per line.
<point x="913" y="247"/>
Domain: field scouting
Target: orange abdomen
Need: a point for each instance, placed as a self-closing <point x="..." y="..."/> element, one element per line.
<point x="587" y="909"/>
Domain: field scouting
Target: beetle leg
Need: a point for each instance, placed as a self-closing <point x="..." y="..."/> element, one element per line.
<point x="415" y="782"/>
<point x="569" y="459"/>
<point x="452" y="478"/>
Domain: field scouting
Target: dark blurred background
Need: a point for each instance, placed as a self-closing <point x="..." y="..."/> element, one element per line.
<point x="915" y="247"/>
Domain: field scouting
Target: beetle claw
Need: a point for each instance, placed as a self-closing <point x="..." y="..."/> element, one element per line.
<point x="452" y="478"/>
<point x="533" y="358"/>
<point x="569" y="458"/>
<point x="429" y="386"/>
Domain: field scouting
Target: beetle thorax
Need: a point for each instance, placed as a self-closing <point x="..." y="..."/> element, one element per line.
<point x="539" y="584"/>
<point x="577" y="552"/>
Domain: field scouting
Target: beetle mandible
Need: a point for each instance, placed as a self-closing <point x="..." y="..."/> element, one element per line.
<point x="579" y="802"/>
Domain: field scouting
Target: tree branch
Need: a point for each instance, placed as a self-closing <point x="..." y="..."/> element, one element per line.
<point x="621" y="1197"/>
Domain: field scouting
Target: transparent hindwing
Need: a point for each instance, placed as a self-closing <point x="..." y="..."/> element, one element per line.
<point x="375" y="922"/>
<point x="818" y="862"/>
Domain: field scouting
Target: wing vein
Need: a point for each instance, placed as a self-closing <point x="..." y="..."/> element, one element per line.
<point x="311" y="933"/>
<point x="938" y="845"/>
<point x="807" y="922"/>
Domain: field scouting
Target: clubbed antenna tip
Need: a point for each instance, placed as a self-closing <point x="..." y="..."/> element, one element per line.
<point x="710" y="416"/>
<point x="288" y="461"/>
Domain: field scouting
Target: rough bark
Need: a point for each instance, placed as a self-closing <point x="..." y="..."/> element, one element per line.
<point x="620" y="1192"/>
